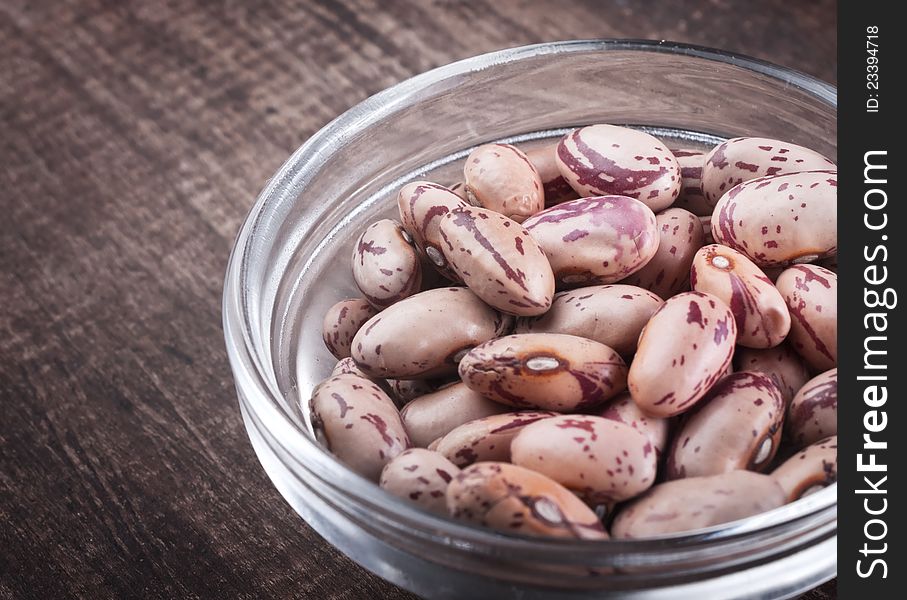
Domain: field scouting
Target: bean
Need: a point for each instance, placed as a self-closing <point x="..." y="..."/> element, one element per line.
<point x="668" y="272"/>
<point x="742" y="159"/>
<point x="354" y="419"/>
<point x="683" y="350"/>
<point x="696" y="503"/>
<point x="782" y="220"/>
<point x="420" y="476"/>
<point x="612" y="315"/>
<point x="487" y="438"/>
<point x="555" y="187"/>
<point x="810" y="470"/>
<point x="811" y="294"/>
<point x="425" y="335"/>
<point x="550" y="371"/>
<point x="623" y="410"/>
<point x="386" y="267"/>
<point x="341" y="323"/>
<point x="347" y="366"/>
<point x="499" y="177"/>
<point x="404" y="390"/>
<point x="498" y="260"/>
<point x="516" y="500"/>
<point x="601" y="460"/>
<point x="707" y="230"/>
<point x="780" y="363"/>
<point x="813" y="413"/>
<point x="422" y="204"/>
<point x="736" y="426"/>
<point x="595" y="240"/>
<point x="436" y="414"/>
<point x="759" y="310"/>
<point x="691" y="197"/>
<point x="604" y="159"/>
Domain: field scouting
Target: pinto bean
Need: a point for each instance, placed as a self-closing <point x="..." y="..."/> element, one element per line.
<point x="811" y="294"/>
<point x="516" y="500"/>
<point x="358" y="423"/>
<point x="781" y="220"/>
<point x="668" y="272"/>
<point x="438" y="328"/>
<point x="499" y="177"/>
<point x="759" y="310"/>
<point x="781" y="363"/>
<point x="623" y="410"/>
<point x="386" y="267"/>
<point x="612" y="315"/>
<point x="556" y="188"/>
<point x="605" y="159"/>
<point x="436" y="414"/>
<point x="498" y="260"/>
<point x="696" y="503"/>
<point x="422" y="204"/>
<point x="487" y="438"/>
<point x="810" y="470"/>
<point x="691" y="197"/>
<point x="736" y="426"/>
<point x="683" y="350"/>
<point x="813" y="413"/>
<point x="595" y="240"/>
<point x="420" y="476"/>
<point x="550" y="371"/>
<point x="742" y="159"/>
<point x="341" y="323"/>
<point x="601" y="460"/>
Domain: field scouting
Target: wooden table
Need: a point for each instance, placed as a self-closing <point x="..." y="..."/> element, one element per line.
<point x="134" y="137"/>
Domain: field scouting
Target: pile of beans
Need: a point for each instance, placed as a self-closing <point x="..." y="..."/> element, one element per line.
<point x="600" y="337"/>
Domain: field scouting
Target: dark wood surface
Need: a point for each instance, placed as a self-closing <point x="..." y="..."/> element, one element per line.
<point x="133" y="139"/>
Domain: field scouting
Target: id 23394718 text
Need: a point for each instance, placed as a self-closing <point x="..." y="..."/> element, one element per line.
<point x="872" y="69"/>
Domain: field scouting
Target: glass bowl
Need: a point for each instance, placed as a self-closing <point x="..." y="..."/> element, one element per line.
<point x="291" y="259"/>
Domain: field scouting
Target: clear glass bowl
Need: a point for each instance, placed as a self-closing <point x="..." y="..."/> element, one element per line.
<point x="290" y="262"/>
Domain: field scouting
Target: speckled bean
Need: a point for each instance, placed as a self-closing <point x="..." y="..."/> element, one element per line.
<point x="736" y="426"/>
<point x="354" y="419"/>
<point x="601" y="460"/>
<point x="516" y="500"/>
<point x="668" y="272"/>
<point x="696" y="503"/>
<point x="422" y="204"/>
<point x="810" y="470"/>
<point x="555" y="187"/>
<point x="683" y="350"/>
<point x="550" y="371"/>
<point x="811" y="293"/>
<point x="813" y="413"/>
<point x="499" y="177"/>
<point x="347" y="366"/>
<point x="623" y="410"/>
<point x="781" y="363"/>
<point x="606" y="159"/>
<point x="742" y="159"/>
<point x="487" y="438"/>
<point x="498" y="260"/>
<point x="707" y="230"/>
<point x="691" y="197"/>
<point x="386" y="267"/>
<point x="425" y="335"/>
<point x="436" y="414"/>
<point x="612" y="315"/>
<point x="342" y="321"/>
<point x="595" y="240"/>
<point x="405" y="390"/>
<point x="759" y="310"/>
<point x="420" y="476"/>
<point x="780" y="220"/>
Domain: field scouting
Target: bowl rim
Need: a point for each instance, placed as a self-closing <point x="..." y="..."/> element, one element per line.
<point x="249" y="367"/>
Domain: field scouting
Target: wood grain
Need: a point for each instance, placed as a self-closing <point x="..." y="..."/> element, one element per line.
<point x="133" y="139"/>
